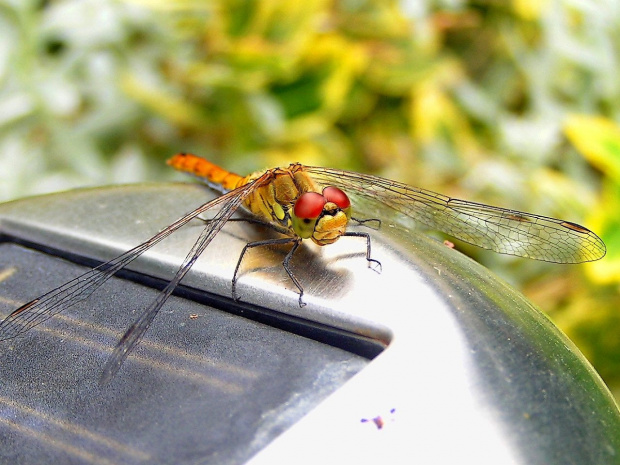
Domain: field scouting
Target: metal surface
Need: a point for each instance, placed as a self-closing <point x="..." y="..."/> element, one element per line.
<point x="473" y="372"/>
<point x="205" y="384"/>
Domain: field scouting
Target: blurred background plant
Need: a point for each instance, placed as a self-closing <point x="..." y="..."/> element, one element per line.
<point x="510" y="103"/>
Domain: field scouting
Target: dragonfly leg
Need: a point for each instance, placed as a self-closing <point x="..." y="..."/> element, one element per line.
<point x="367" y="236"/>
<point x="285" y="240"/>
<point x="285" y="264"/>
<point x="363" y="222"/>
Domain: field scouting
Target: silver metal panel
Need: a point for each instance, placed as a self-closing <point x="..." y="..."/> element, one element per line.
<point x="473" y="372"/>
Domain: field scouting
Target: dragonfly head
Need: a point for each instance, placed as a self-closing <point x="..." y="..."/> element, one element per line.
<point x="321" y="217"/>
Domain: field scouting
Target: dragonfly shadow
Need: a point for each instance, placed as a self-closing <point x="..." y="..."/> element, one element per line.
<point x="313" y="271"/>
<point x="316" y="273"/>
<point x="309" y="268"/>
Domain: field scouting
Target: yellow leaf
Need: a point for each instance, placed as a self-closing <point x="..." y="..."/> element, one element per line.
<point x="598" y="139"/>
<point x="604" y="220"/>
<point x="529" y="9"/>
<point x="169" y="106"/>
<point x="433" y="114"/>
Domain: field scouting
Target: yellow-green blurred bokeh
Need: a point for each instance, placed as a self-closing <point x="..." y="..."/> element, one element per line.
<point x="509" y="103"/>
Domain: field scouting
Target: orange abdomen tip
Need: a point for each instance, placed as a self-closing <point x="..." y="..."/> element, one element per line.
<point x="202" y="168"/>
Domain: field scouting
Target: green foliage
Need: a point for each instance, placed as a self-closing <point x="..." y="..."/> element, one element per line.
<point x="472" y="99"/>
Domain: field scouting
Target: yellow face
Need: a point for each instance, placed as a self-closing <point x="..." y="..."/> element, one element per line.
<point x="331" y="225"/>
<point x="321" y="217"/>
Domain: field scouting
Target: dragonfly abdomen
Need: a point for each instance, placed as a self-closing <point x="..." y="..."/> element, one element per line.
<point x="216" y="177"/>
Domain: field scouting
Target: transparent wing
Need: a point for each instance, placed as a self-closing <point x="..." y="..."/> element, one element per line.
<point x="501" y="230"/>
<point x="135" y="332"/>
<point x="44" y="307"/>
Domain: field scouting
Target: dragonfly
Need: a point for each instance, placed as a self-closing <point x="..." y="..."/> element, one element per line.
<point x="313" y="203"/>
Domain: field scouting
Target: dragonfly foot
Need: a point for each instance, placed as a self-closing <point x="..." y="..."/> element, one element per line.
<point x="377" y="265"/>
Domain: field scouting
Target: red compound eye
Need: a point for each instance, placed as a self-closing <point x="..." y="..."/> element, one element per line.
<point x="309" y="205"/>
<point x="335" y="195"/>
